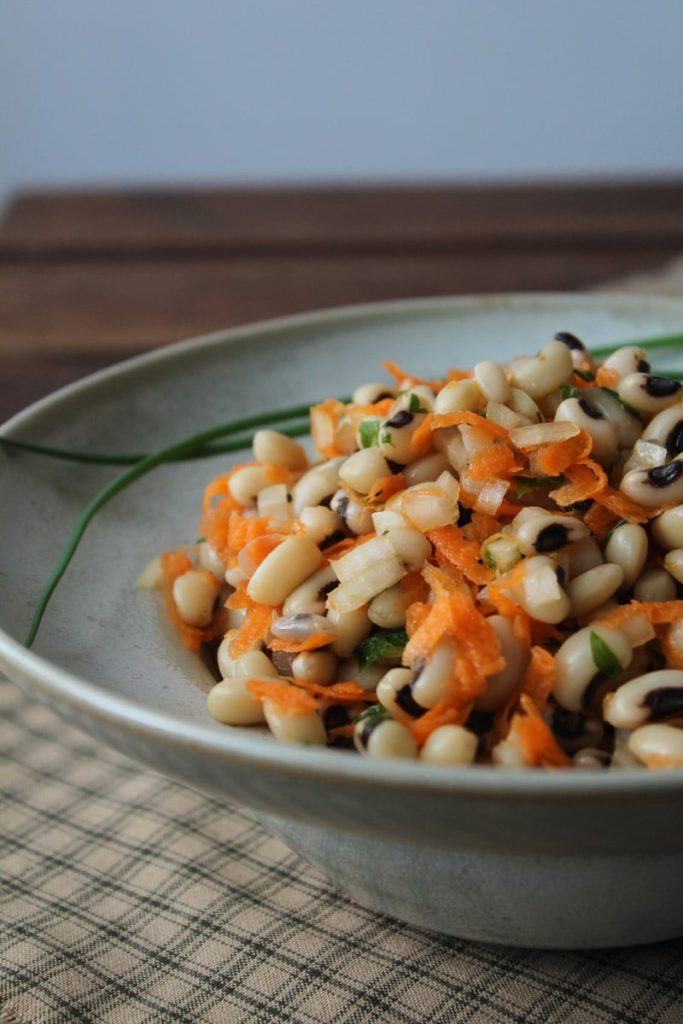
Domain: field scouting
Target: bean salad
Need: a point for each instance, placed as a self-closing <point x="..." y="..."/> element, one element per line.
<point x="486" y="568"/>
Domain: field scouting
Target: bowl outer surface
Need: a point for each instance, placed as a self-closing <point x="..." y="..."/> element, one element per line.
<point x="106" y="658"/>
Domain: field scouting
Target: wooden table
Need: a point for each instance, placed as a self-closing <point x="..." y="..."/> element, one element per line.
<point x="89" y="278"/>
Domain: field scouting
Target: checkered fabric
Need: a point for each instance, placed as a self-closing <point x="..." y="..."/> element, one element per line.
<point x="126" y="898"/>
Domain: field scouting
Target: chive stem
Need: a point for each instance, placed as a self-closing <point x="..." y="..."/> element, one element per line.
<point x="665" y="341"/>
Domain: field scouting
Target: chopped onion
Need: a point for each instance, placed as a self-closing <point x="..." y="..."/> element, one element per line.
<point x="388" y="519"/>
<point x="504" y="417"/>
<point x="543" y="433"/>
<point x="428" y="507"/>
<point x="491" y="496"/>
<point x="273" y="503"/>
<point x="300" y="627"/>
<point x="448" y="483"/>
<point x="361" y="558"/>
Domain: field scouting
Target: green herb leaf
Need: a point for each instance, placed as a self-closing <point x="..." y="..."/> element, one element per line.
<point x="584" y="374"/>
<point x="604" y="657"/>
<point x="200" y="540"/>
<point x="569" y="391"/>
<point x="414" y="404"/>
<point x="383" y="644"/>
<point x="385" y="437"/>
<point x="524" y="484"/>
<point x="369" y="432"/>
<point x="372" y="714"/>
<point x="489" y="559"/>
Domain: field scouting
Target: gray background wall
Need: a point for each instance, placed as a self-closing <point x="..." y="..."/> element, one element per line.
<point x="141" y="91"/>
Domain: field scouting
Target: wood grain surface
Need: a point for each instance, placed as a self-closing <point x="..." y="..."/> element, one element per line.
<point x="89" y="278"/>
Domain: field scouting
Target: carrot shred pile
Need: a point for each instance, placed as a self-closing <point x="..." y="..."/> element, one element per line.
<point x="283" y="696"/>
<point x="256" y="626"/>
<point x="173" y="565"/>
<point x="539" y="746"/>
<point x="451" y="548"/>
<point x="311" y="643"/>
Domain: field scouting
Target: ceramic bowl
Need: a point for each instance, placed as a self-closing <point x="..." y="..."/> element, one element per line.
<point x="564" y="859"/>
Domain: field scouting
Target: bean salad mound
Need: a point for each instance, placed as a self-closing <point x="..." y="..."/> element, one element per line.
<point x="480" y="569"/>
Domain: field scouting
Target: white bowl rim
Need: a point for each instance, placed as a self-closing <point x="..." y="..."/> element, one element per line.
<point x="64" y="690"/>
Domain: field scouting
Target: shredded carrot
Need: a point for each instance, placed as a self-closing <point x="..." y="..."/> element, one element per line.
<point x="421" y="442"/>
<point x="278" y="474"/>
<point x="220" y="487"/>
<point x="454" y="419"/>
<point x="453" y="375"/>
<point x="416" y="613"/>
<point x="538" y="743"/>
<point x="175" y="563"/>
<point x="554" y="458"/>
<point x="430" y="631"/>
<point x="401" y="376"/>
<point x="311" y="643"/>
<point x="606" y="377"/>
<point x="257" y="622"/>
<point x="413" y="588"/>
<point x="341" y="548"/>
<point x="443" y="713"/>
<point x="283" y="696"/>
<point x="599" y="520"/>
<point x="385" y="486"/>
<point x="481" y="527"/>
<point x="340" y="693"/>
<point x="261" y="547"/>
<point x="623" y="508"/>
<point x="324" y="422"/>
<point x="540" y="676"/>
<point x="452" y="548"/>
<point x="585" y="480"/>
<point x="239" y="599"/>
<point x="495" y="461"/>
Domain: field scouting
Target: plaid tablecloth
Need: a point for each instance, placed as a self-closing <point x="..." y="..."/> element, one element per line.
<point x="126" y="898"/>
<point x="129" y="899"/>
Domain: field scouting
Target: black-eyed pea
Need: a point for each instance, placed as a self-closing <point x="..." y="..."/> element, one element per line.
<point x="549" y="370"/>
<point x="397" y="682"/>
<point x="320" y="523"/>
<point x="673" y="563"/>
<point x="356" y="517"/>
<point x="653" y="695"/>
<point x="540" y="593"/>
<point x="658" y="745"/>
<point x="666" y="429"/>
<point x="579" y="663"/>
<point x="152" y="576"/>
<point x="235" y="576"/>
<point x="592" y="589"/>
<point x="254" y="664"/>
<point x="411" y="546"/>
<point x="310" y="596"/>
<point x="523" y="405"/>
<point x="315" y="667"/>
<point x="317" y="485"/>
<point x="301" y="627"/>
<point x="363" y="573"/>
<point x="382" y="737"/>
<point x="572" y="730"/>
<point x="388" y="609"/>
<point x="654" y="487"/>
<point x="627" y="546"/>
<point x="290" y="727"/>
<point x="231" y="703"/>
<point x="460" y="396"/>
<point x="209" y="560"/>
<point x="581" y="356"/>
<point x="395" y="435"/>
<point x="274" y="503"/>
<point x="655" y="584"/>
<point x="450" y="745"/>
<point x="579" y="557"/>
<point x="351" y="628"/>
<point x="501" y="685"/>
<point x="629" y="426"/>
<point x="589" y="417"/>
<point x="362" y="469"/>
<point x="492" y="381"/>
<point x="283" y="570"/>
<point x="368" y="394"/>
<point x="648" y="394"/>
<point x="545" y="533"/>
<point x="673" y="643"/>
<point x="423" y="393"/>
<point x="628" y="359"/>
<point x="667" y="529"/>
<point x="194" y="596"/>
<point x="275" y="449"/>
<point x="448" y="441"/>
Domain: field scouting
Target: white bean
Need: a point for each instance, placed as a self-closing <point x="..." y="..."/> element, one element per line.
<point x="245" y="484"/>
<point x="391" y="683"/>
<point x="450" y="744"/>
<point x="307" y="729"/>
<point x="492" y="381"/>
<point x="194" y="595"/>
<point x="425" y="469"/>
<point x="352" y="627"/>
<point x="647" y="393"/>
<point x="320" y="522"/>
<point x="315" y="667"/>
<point x="591" y="589"/>
<point x="540" y="594"/>
<point x="673" y="563"/>
<point x="152" y="576"/>
<point x="552" y="367"/>
<point x="602" y="430"/>
<point x="368" y="394"/>
<point x="658" y="744"/>
<point x="388" y="609"/>
<point x="666" y="429"/>
<point x="544" y="534"/>
<point x="254" y="664"/>
<point x="363" y="468"/>
<point x="655" y="585"/>
<point x="654" y="487"/>
<point x="628" y="547"/>
<point x="667" y="529"/>
<point x="231" y="703"/>
<point x="628" y="359"/>
<point x="280" y="572"/>
<point x="209" y="559"/>
<point x="317" y="485"/>
<point x="432" y="682"/>
<point x="460" y="396"/>
<point x="277" y="449"/>
<point x="411" y="546"/>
